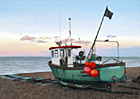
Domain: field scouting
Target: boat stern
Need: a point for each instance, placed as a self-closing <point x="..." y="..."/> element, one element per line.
<point x="113" y="73"/>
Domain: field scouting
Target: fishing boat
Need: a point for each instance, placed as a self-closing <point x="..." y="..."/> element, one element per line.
<point x="86" y="72"/>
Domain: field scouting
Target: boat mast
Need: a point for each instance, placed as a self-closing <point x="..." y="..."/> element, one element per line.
<point x="109" y="15"/>
<point x="91" y="49"/>
<point x="69" y="30"/>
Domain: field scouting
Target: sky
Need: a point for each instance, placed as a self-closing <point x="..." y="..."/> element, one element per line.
<point x="31" y="27"/>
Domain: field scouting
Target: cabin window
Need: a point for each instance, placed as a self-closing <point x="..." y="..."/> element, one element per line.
<point x="56" y="53"/>
<point x="52" y="54"/>
<point x="62" y="53"/>
<point x="69" y="52"/>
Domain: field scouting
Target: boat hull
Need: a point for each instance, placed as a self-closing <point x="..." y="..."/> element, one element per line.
<point x="76" y="75"/>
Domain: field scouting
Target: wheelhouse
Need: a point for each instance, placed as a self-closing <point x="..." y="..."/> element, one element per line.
<point x="63" y="55"/>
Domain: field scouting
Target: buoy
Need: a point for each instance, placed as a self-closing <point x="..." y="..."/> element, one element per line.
<point x="94" y="73"/>
<point x="87" y="63"/>
<point x="125" y="71"/>
<point x="92" y="65"/>
<point x="87" y="70"/>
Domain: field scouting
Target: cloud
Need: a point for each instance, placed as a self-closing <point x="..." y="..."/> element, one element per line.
<point x="56" y="37"/>
<point x="69" y="40"/>
<point x="27" y="38"/>
<point x="45" y="38"/>
<point x="36" y="40"/>
<point x="41" y="41"/>
<point x="111" y="36"/>
<point x="82" y="42"/>
<point x="76" y="41"/>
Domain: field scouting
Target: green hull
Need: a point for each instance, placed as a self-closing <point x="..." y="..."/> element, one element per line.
<point x="76" y="75"/>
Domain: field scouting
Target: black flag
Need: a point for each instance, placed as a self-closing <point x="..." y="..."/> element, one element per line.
<point x="108" y="13"/>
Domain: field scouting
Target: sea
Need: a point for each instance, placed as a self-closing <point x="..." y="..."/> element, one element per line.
<point x="16" y="65"/>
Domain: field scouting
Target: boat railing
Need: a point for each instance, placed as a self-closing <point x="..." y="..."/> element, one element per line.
<point x="117" y="61"/>
<point x="111" y="42"/>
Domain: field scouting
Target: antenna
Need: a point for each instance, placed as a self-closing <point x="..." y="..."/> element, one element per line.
<point x="69" y="31"/>
<point x="60" y="26"/>
<point x="59" y="42"/>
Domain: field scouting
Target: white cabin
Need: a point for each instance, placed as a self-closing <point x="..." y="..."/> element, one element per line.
<point x="63" y="55"/>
